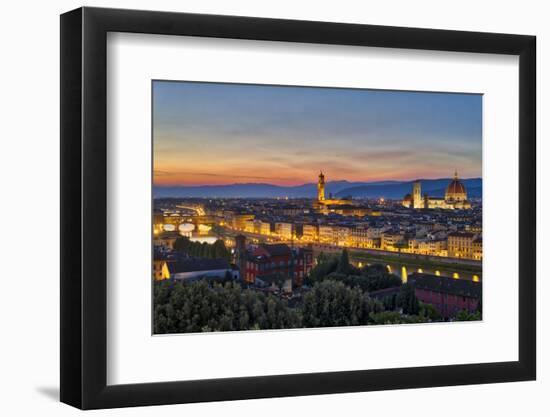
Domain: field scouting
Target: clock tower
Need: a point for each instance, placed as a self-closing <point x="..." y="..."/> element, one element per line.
<point x="321" y="187"/>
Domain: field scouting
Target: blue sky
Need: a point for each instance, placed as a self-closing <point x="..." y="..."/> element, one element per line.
<point x="215" y="133"/>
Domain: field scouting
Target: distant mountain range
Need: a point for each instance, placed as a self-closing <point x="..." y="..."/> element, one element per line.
<point x="434" y="188"/>
<point x="339" y="189"/>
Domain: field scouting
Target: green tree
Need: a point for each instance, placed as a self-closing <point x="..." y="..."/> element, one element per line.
<point x="377" y="277"/>
<point x="182" y="244"/>
<point x="389" y="302"/>
<point x="320" y="271"/>
<point x="321" y="258"/>
<point x="199" y="306"/>
<point x="385" y="317"/>
<point x="429" y="312"/>
<point x="217" y="250"/>
<point x="343" y="263"/>
<point x="407" y="301"/>
<point x="220" y="251"/>
<point x="464" y="315"/>
<point x="331" y="303"/>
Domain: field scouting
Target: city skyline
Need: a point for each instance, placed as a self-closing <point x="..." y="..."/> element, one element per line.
<point x="221" y="134"/>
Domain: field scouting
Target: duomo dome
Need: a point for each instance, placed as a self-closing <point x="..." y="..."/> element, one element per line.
<point x="455" y="197"/>
<point x="456" y="191"/>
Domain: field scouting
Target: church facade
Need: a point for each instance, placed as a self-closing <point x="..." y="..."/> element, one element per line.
<point x="455" y="197"/>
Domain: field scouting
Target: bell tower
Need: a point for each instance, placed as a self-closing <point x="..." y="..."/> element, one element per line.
<point x="417" y="195"/>
<point x="321" y="187"/>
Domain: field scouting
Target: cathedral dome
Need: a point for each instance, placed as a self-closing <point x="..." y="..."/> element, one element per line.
<point x="407" y="201"/>
<point x="456" y="190"/>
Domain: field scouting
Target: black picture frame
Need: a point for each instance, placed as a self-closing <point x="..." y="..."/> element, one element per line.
<point x="84" y="207"/>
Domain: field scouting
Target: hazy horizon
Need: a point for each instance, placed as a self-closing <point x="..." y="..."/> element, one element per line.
<point x="314" y="182"/>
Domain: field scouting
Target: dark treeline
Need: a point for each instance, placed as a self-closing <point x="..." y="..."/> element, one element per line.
<point x="369" y="278"/>
<point x="204" y="307"/>
<point x="202" y="250"/>
<point x="338" y="295"/>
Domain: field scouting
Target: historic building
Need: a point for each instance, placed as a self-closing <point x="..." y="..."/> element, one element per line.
<point x="478" y="248"/>
<point x="238" y="220"/>
<point x="284" y="230"/>
<point x="447" y="295"/>
<point x="322" y="203"/>
<point x="172" y="265"/>
<point x="321" y="187"/>
<point x="428" y="246"/>
<point x="461" y="245"/>
<point x="310" y="232"/>
<point x="455" y="197"/>
<point x="278" y="264"/>
<point x="191" y="269"/>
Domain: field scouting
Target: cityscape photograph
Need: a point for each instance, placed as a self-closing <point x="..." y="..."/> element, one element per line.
<point x="288" y="207"/>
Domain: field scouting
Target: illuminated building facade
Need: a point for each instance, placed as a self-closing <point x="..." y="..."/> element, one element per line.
<point x="433" y="247"/>
<point x="278" y="264"/>
<point x="284" y="230"/>
<point x="239" y="221"/>
<point x="322" y="203"/>
<point x="264" y="228"/>
<point x="455" y="197"/>
<point x="390" y="240"/>
<point x="461" y="245"/>
<point x="310" y="232"/>
<point x="418" y="202"/>
<point x="321" y="187"/>
<point x="160" y="270"/>
<point x="326" y="234"/>
<point x="478" y="248"/>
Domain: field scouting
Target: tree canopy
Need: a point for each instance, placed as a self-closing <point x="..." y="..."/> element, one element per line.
<point x="369" y="278"/>
<point x="331" y="303"/>
<point x="216" y="250"/>
<point x="201" y="307"/>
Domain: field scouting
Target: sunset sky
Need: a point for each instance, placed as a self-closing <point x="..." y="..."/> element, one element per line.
<point x="212" y="133"/>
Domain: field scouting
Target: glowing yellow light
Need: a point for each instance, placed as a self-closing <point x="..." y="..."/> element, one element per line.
<point x="420" y="271"/>
<point x="437" y="273"/>
<point x="360" y="264"/>
<point x="389" y="268"/>
<point x="475" y="278"/>
<point x="455" y="275"/>
<point x="404" y="276"/>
